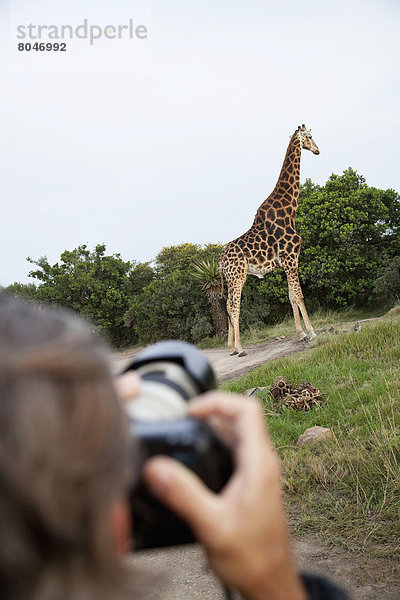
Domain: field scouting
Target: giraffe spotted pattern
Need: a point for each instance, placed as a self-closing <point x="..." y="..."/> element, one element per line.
<point x="271" y="242"/>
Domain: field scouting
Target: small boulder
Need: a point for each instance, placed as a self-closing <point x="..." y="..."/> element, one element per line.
<point x="314" y="434"/>
<point x="253" y="391"/>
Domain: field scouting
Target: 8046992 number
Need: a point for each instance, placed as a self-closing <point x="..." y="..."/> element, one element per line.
<point x="42" y="47"/>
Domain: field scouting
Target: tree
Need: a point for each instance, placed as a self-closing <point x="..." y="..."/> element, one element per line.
<point x="24" y="290"/>
<point x="176" y="258"/>
<point x="140" y="275"/>
<point x="206" y="273"/>
<point x="348" y="229"/>
<point x="171" y="306"/>
<point x="91" y="283"/>
<point x="183" y="256"/>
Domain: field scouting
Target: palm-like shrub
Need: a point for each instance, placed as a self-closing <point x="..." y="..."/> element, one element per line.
<point x="206" y="273"/>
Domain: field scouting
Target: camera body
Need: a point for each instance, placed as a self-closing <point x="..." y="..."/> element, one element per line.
<point x="172" y="372"/>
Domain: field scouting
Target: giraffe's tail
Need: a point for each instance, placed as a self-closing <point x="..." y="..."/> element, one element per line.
<point x="221" y="293"/>
<point x="221" y="296"/>
<point x="222" y="303"/>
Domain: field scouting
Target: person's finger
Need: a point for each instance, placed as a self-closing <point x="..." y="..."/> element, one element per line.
<point x="214" y="402"/>
<point x="127" y="385"/>
<point x="253" y="449"/>
<point x="182" y="491"/>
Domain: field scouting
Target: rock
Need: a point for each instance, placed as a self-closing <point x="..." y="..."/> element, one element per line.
<point x="253" y="391"/>
<point x="250" y="392"/>
<point x="314" y="434"/>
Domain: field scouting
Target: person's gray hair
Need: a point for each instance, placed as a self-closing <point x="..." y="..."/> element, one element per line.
<point x="65" y="457"/>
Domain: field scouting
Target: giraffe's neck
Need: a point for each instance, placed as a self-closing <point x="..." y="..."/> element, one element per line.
<point x="289" y="177"/>
<point x="286" y="190"/>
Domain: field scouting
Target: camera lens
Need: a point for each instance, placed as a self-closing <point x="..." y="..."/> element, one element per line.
<point x="172" y="372"/>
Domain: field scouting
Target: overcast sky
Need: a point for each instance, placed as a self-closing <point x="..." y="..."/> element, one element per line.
<point x="179" y="137"/>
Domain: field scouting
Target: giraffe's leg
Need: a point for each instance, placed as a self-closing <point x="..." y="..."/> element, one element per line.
<point x="233" y="308"/>
<point x="297" y="301"/>
<point x="296" y="313"/>
<point x="231" y="339"/>
<point x="306" y="319"/>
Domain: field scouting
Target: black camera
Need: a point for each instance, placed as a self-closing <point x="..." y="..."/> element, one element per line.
<point x="172" y="372"/>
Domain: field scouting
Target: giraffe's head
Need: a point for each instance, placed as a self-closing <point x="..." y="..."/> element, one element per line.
<point x="306" y="140"/>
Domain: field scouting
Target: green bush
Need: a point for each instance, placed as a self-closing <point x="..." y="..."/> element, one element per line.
<point x="201" y="329"/>
<point x="387" y="284"/>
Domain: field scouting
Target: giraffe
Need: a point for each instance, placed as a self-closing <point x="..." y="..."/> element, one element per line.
<point x="271" y="242"/>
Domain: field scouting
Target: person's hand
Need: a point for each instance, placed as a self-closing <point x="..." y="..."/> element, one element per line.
<point x="243" y="529"/>
<point x="127" y="386"/>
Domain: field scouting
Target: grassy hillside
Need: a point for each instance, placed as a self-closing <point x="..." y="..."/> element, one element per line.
<point x="347" y="488"/>
<point x="321" y="319"/>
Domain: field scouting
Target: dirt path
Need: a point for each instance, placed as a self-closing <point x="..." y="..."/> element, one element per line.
<point x="188" y="575"/>
<point x="230" y="367"/>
